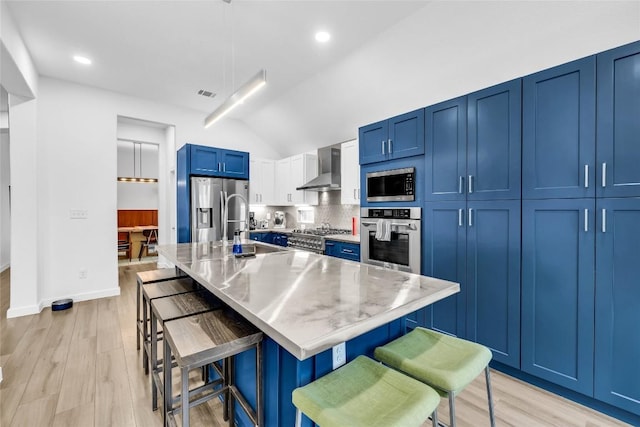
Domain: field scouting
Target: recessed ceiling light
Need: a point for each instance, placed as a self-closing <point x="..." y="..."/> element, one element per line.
<point x="82" y="60"/>
<point x="322" y="36"/>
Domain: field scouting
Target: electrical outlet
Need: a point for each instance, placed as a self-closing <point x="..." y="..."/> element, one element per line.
<point x="83" y="273"/>
<point x="339" y="355"/>
<point x="78" y="214"/>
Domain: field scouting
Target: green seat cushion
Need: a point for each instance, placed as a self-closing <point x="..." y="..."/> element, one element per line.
<point x="366" y="393"/>
<point x="447" y="363"/>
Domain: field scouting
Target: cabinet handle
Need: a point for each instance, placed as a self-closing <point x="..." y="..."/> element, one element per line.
<point x="470" y="184"/>
<point x="260" y="197"/>
<point x="224" y="167"/>
<point x="389" y="147"/>
<point x="460" y="184"/>
<point x="219" y="168"/>
<point x="256" y="198"/>
<point x="470" y="217"/>
<point x="586" y="176"/>
<point x="586" y="220"/>
<point x="382" y="147"/>
<point x="604" y="174"/>
<point x="460" y="224"/>
<point x="604" y="220"/>
<point x="348" y="251"/>
<point x="329" y="244"/>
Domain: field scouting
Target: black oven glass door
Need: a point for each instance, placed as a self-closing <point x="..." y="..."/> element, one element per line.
<point x="395" y="251"/>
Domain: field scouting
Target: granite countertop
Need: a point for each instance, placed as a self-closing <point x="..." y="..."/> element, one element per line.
<point x="306" y="302"/>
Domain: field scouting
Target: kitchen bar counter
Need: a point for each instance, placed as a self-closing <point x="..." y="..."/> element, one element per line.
<point x="306" y="302"/>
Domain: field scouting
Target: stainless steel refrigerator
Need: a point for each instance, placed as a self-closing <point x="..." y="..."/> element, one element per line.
<point x="208" y="196"/>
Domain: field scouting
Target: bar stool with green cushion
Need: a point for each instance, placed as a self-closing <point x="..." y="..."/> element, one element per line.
<point x="446" y="363"/>
<point x="366" y="393"/>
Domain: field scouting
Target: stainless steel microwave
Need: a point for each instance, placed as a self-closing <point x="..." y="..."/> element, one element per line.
<point x="391" y="185"/>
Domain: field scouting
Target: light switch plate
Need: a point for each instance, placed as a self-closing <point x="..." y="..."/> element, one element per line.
<point x="78" y="214"/>
<point x="339" y="355"/>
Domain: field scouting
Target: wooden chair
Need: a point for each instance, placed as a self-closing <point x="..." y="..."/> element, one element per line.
<point x="124" y="245"/>
<point x="151" y="240"/>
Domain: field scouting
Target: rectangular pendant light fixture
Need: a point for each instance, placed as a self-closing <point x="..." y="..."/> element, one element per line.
<point x="238" y="97"/>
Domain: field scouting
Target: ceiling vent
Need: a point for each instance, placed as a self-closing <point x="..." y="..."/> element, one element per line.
<point x="206" y="93"/>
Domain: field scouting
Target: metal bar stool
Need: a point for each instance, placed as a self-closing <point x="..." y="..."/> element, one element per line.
<point x="171" y="308"/>
<point x="144" y="278"/>
<point x="152" y="291"/>
<point x="446" y="363"/>
<point x="366" y="393"/>
<point x="203" y="339"/>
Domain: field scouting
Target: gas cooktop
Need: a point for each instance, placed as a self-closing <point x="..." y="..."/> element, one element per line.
<point x="322" y="231"/>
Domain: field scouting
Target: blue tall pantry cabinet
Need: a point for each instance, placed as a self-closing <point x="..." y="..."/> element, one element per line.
<point x="472" y="216"/>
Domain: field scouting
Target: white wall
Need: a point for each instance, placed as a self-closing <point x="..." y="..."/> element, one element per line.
<point x="19" y="75"/>
<point x="76" y="131"/>
<point x="5" y="213"/>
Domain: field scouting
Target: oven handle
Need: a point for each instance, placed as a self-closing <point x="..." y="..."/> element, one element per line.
<point x="410" y="226"/>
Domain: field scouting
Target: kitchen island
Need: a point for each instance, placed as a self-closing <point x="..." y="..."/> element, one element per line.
<point x="305" y="304"/>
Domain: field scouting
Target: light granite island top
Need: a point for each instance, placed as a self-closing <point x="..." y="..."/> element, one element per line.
<point x="306" y="302"/>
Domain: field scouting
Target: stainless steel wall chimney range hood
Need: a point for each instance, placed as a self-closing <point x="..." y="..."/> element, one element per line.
<point x="328" y="171"/>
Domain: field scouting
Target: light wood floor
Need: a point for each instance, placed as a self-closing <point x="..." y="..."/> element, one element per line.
<point x="80" y="367"/>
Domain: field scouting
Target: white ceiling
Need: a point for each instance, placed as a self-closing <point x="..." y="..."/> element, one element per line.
<point x="385" y="57"/>
<point x="167" y="50"/>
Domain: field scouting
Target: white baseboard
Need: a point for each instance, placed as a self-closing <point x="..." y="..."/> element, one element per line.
<point x="35" y="309"/>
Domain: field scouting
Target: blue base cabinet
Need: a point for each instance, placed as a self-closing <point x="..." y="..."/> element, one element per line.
<point x="343" y="250"/>
<point x="617" y="304"/>
<point x="478" y="245"/>
<point x="558" y="291"/>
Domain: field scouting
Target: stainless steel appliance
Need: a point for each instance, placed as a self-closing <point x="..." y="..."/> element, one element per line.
<point x="207" y="202"/>
<point x="400" y="248"/>
<point x="397" y="185"/>
<point x="328" y="171"/>
<point x="313" y="239"/>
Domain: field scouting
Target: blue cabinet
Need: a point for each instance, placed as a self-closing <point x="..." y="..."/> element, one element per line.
<point x="260" y="236"/>
<point x="446" y="150"/>
<point x="211" y="161"/>
<point x="559" y="132"/>
<point x="344" y="250"/>
<point x="617" y="340"/>
<point x="395" y="138"/>
<point x="473" y="146"/>
<point x="558" y="291"/>
<point x="476" y="244"/>
<point x="618" y="150"/>
<point x="280" y="239"/>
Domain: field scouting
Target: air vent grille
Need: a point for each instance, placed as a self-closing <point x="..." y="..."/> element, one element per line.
<point x="206" y="93"/>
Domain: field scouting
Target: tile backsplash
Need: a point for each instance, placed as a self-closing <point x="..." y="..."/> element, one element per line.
<point x="329" y="210"/>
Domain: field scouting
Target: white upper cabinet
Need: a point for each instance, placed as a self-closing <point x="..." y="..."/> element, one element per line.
<point x="262" y="177"/>
<point x="350" y="173"/>
<point x="137" y="160"/>
<point x="293" y="172"/>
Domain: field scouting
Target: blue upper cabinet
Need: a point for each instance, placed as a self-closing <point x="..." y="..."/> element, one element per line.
<point x="494" y="142"/>
<point x="558" y="244"/>
<point x="619" y="122"/>
<point x="559" y="132"/>
<point x="446" y="150"/>
<point x="395" y="138"/>
<point x="493" y="278"/>
<point x="212" y="161"/>
<point x="617" y="340"/>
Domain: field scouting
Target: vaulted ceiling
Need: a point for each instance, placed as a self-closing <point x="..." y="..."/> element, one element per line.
<point x="384" y="57"/>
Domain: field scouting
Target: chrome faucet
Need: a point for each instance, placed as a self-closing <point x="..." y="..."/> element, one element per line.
<point x="225" y="214"/>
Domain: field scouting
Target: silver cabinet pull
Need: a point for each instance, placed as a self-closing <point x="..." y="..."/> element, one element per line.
<point x="354" y="194"/>
<point x="219" y="168"/>
<point x="224" y="167"/>
<point x="460" y="224"/>
<point x="382" y="147"/>
<point x="604" y="174"/>
<point x="347" y="251"/>
<point x="460" y="184"/>
<point x="586" y="176"/>
<point x="470" y="184"/>
<point x="604" y="220"/>
<point x="389" y="148"/>
<point x="586" y="220"/>
<point x="260" y="197"/>
<point x="470" y="217"/>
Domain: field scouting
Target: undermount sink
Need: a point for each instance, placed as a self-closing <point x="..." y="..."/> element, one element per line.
<point x="258" y="248"/>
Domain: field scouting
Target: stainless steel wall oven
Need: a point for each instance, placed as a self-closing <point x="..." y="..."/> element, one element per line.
<point x="390" y="237"/>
